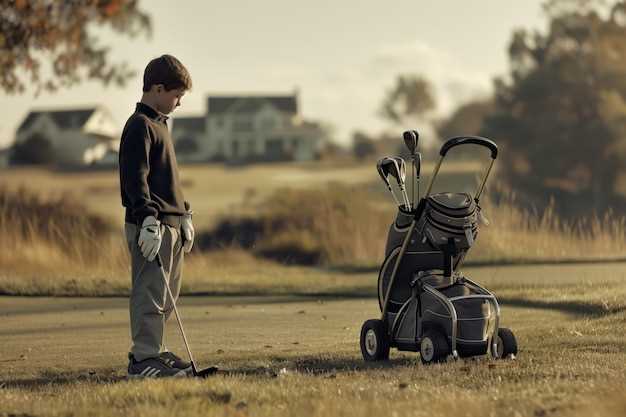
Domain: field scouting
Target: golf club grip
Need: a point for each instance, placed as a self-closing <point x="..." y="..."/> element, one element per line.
<point x="466" y="140"/>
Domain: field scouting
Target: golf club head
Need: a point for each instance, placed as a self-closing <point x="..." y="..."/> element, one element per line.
<point x="410" y="140"/>
<point x="401" y="169"/>
<point x="205" y="373"/>
<point x="380" y="167"/>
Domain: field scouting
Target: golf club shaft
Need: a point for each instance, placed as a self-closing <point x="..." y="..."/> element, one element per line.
<point x="180" y="323"/>
<point x="394" y="196"/>
<point x="407" y="205"/>
<point x="413" y="180"/>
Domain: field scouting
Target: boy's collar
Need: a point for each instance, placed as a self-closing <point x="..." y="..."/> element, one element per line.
<point x="151" y="112"/>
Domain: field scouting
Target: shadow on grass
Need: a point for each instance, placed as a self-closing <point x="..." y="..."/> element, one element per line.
<point x="99" y="376"/>
<point x="316" y="366"/>
<point x="577" y="308"/>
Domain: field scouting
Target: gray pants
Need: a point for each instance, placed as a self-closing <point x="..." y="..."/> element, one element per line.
<point x="150" y="304"/>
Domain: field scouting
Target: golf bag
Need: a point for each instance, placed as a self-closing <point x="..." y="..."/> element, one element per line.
<point x="427" y="305"/>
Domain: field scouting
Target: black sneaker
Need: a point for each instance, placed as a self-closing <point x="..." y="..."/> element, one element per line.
<point x="151" y="368"/>
<point x="175" y="361"/>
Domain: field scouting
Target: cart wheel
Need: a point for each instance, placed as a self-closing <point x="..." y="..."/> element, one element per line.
<point x="434" y="347"/>
<point x="506" y="344"/>
<point x="374" y="341"/>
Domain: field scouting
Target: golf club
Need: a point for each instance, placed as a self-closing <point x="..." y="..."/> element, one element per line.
<point x="391" y="166"/>
<point x="418" y="167"/>
<point x="401" y="178"/>
<point x="381" y="167"/>
<point x="411" y="138"/>
<point x="202" y="373"/>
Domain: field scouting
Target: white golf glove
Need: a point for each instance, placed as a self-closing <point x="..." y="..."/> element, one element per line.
<point x="188" y="232"/>
<point x="150" y="238"/>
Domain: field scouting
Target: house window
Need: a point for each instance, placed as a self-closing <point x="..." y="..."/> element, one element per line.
<point x="242" y="124"/>
<point x="186" y="145"/>
<point x="268" y="123"/>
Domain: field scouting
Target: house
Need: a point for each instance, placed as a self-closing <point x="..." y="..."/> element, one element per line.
<point x="247" y="128"/>
<point x="69" y="137"/>
<point x="189" y="134"/>
<point x="4" y="157"/>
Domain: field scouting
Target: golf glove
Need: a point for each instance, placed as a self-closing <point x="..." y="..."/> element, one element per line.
<point x="188" y="232"/>
<point x="150" y="238"/>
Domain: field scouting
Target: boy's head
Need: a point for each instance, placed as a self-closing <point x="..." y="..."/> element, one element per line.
<point x="165" y="81"/>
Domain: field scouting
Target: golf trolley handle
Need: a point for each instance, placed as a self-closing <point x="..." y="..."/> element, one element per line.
<point x="466" y="140"/>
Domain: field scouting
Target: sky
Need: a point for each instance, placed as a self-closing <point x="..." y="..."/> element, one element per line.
<point x="342" y="56"/>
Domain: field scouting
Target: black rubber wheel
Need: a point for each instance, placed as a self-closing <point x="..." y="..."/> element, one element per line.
<point x="374" y="341"/>
<point x="506" y="344"/>
<point x="434" y="347"/>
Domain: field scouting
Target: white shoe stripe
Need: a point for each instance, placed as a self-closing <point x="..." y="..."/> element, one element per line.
<point x="146" y="371"/>
<point x="152" y="372"/>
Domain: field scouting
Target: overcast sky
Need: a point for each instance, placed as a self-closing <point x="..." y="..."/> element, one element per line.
<point x="342" y="55"/>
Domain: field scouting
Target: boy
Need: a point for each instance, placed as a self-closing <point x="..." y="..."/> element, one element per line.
<point x="157" y="220"/>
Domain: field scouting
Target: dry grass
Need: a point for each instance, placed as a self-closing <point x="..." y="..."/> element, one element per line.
<point x="300" y="356"/>
<point x="54" y="243"/>
<point x="518" y="234"/>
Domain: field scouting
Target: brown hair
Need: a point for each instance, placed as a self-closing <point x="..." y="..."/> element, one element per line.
<point x="166" y="70"/>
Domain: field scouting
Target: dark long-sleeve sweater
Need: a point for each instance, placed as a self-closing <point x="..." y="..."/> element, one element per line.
<point x="149" y="180"/>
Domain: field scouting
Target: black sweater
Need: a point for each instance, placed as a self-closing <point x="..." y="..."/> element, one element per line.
<point x="148" y="171"/>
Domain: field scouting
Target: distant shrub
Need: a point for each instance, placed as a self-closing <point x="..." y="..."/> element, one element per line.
<point x="335" y="225"/>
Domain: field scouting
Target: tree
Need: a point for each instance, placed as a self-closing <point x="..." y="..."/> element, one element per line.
<point x="561" y="114"/>
<point x="56" y="32"/>
<point x="362" y="145"/>
<point x="467" y="119"/>
<point x="410" y="99"/>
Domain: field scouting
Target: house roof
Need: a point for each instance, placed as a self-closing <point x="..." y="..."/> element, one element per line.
<point x="64" y="119"/>
<point x="193" y="124"/>
<point x="249" y="104"/>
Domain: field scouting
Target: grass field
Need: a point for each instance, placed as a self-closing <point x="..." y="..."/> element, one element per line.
<point x="298" y="355"/>
<point x="213" y="190"/>
<point x="50" y="247"/>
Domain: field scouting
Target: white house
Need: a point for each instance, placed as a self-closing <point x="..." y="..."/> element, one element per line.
<point x="76" y="136"/>
<point x="247" y="128"/>
<point x="190" y="139"/>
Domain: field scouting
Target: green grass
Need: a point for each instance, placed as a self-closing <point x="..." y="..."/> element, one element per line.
<point x="290" y="355"/>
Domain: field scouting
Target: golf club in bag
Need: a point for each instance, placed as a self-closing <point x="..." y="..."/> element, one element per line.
<point x="395" y="167"/>
<point x="411" y="139"/>
<point x="202" y="373"/>
<point x="401" y="178"/>
<point x="382" y="168"/>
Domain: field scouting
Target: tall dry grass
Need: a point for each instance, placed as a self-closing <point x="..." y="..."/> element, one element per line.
<point x="335" y="225"/>
<point x="521" y="234"/>
<point x="342" y="225"/>
<point x="51" y="243"/>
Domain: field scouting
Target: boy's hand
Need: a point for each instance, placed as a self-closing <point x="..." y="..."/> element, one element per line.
<point x="150" y="238"/>
<point x="188" y="232"/>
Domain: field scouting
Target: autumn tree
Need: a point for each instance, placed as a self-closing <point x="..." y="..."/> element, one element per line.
<point x="56" y="33"/>
<point x="409" y="101"/>
<point x="561" y="113"/>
